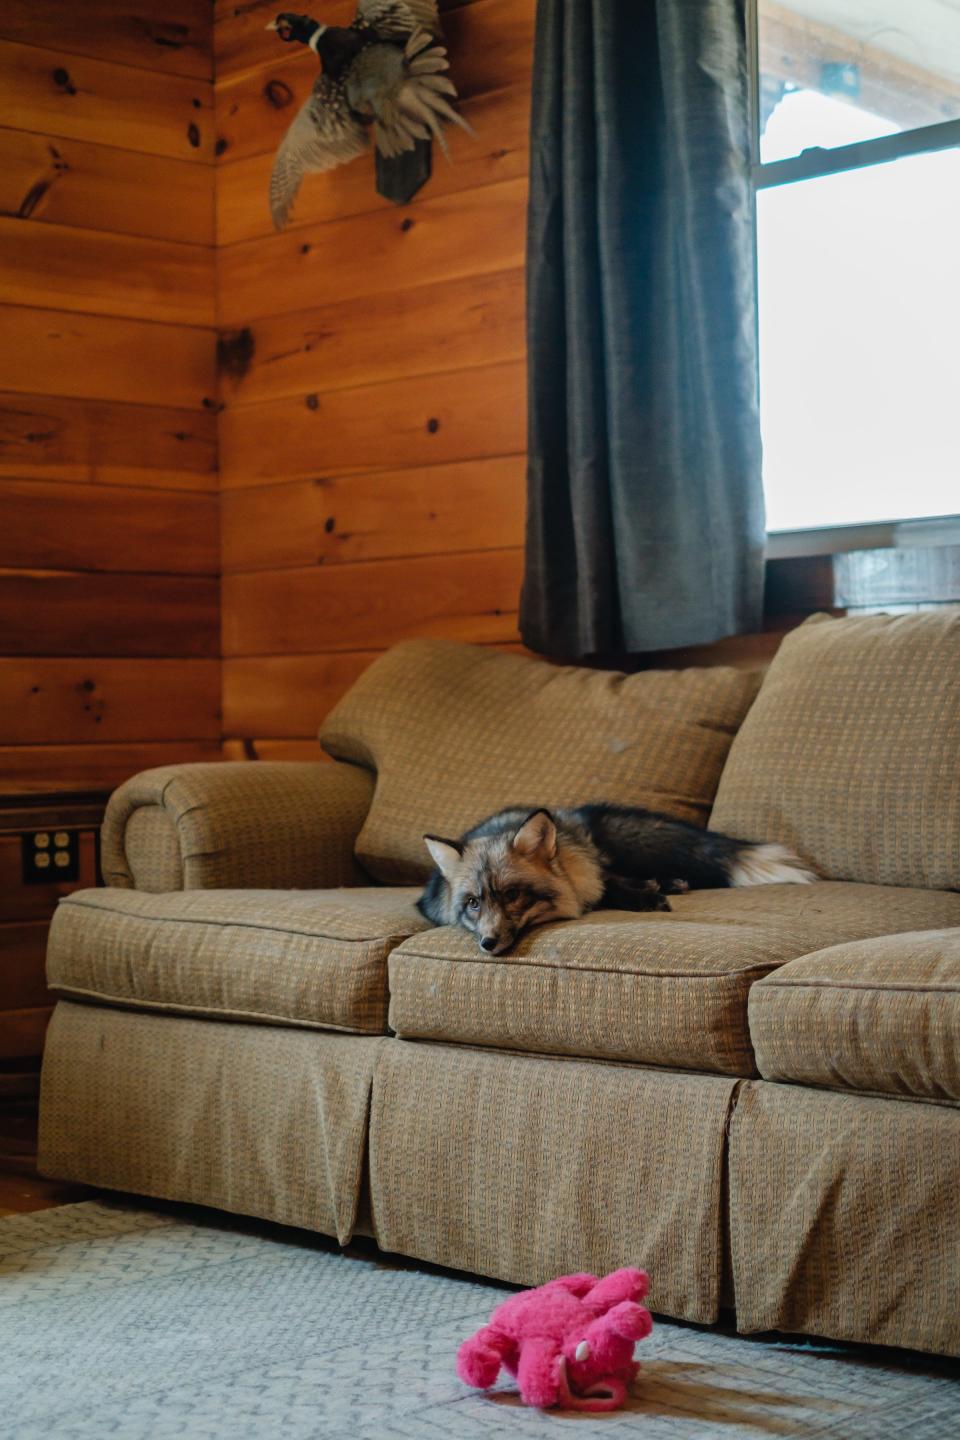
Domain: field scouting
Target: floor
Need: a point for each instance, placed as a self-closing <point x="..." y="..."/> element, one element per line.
<point x="168" y="1323"/>
<point x="22" y="1189"/>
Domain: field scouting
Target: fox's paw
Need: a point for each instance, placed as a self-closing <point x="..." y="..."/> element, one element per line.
<point x="652" y="897"/>
<point x="622" y="892"/>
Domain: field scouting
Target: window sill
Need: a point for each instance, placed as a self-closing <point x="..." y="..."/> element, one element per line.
<point x="881" y="535"/>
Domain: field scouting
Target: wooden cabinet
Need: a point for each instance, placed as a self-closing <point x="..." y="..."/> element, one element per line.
<point x="61" y="831"/>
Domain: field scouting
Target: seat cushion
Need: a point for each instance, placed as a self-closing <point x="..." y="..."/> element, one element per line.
<point x="296" y="957"/>
<point x="852" y="750"/>
<point x="658" y="989"/>
<point x="456" y="732"/>
<point x="879" y="1015"/>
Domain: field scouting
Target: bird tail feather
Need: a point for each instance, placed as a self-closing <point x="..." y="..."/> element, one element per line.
<point x="420" y="108"/>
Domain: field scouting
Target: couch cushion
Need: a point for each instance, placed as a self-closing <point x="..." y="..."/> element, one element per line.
<point x="295" y="957"/>
<point x="852" y="750"/>
<point x="455" y="732"/>
<point x="880" y="1015"/>
<point x="654" y="988"/>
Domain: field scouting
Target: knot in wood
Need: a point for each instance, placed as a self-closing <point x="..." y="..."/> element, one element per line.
<point x="278" y="93"/>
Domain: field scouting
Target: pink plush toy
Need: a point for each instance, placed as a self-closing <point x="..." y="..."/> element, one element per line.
<point x="569" y="1343"/>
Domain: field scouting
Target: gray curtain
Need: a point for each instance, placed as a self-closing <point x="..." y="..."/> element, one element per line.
<point x="645" y="522"/>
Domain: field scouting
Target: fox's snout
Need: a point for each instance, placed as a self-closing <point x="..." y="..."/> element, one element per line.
<point x="495" y="943"/>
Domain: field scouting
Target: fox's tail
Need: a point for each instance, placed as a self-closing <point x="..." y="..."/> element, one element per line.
<point x="768" y="865"/>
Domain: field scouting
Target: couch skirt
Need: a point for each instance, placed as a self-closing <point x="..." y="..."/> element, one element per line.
<point x="840" y="1211"/>
<point x="522" y="1168"/>
<point x="845" y="1216"/>
<point x="514" y="1166"/>
<point x="256" y="1119"/>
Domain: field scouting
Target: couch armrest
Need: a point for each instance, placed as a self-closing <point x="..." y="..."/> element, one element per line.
<point x="237" y="825"/>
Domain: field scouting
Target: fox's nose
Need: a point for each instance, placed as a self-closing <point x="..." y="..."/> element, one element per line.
<point x="488" y="943"/>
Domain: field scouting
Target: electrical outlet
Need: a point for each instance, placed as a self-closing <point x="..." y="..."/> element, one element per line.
<point x="50" y="857"/>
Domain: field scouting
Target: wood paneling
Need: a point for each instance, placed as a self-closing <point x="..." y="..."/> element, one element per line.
<point x="427" y="420"/>
<point x="52" y="92"/>
<point x="70" y="182"/>
<point x="286" y="695"/>
<point x="100" y="392"/>
<point x="491" y="48"/>
<point x="358" y="607"/>
<point x="374" y="254"/>
<point x="98" y="357"/>
<point x="498" y="151"/>
<point x="490" y="44"/>
<point x="165" y="35"/>
<point x="49" y="437"/>
<point x="65" y="268"/>
<point x="105" y="699"/>
<point x="476" y="505"/>
<point x="109" y="542"/>
<point x="22" y="1032"/>
<point x="23" y="947"/>
<point x="52" y="526"/>
<point x="49" y="612"/>
<point x="241" y="39"/>
<point x="373" y="382"/>
<point x="84" y="767"/>
<point x="479" y="321"/>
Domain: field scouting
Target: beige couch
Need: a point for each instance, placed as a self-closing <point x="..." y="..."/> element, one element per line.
<point x="755" y="1096"/>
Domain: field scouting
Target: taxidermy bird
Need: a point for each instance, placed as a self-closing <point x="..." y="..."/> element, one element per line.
<point x="386" y="70"/>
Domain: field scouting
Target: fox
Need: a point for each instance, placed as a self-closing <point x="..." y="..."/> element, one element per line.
<point x="521" y="868"/>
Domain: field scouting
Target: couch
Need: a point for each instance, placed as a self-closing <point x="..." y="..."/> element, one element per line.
<point x="754" y="1096"/>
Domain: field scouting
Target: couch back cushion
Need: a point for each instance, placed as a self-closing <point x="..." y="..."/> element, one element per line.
<point x="456" y="732"/>
<point x="851" y="753"/>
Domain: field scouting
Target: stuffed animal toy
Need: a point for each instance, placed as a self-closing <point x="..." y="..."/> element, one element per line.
<point x="569" y="1343"/>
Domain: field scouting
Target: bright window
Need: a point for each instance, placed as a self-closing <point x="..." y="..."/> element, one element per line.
<point x="858" y="213"/>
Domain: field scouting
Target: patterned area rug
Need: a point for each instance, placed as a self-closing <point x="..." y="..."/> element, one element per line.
<point x="147" y="1324"/>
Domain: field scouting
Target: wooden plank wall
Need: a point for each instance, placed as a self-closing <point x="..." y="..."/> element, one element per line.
<point x="372" y="382"/>
<point x="109" y="542"/>
<point x="109" y="647"/>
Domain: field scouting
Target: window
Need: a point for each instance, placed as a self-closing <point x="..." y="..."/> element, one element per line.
<point x="857" y="171"/>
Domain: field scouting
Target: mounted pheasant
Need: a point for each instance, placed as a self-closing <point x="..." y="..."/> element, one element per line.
<point x="385" y="70"/>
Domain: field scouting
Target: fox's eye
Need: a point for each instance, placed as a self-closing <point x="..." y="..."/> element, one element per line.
<point x="473" y="904"/>
<point x="511" y="896"/>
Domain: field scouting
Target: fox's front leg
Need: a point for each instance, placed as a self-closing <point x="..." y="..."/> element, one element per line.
<point x="674" y="886"/>
<point x="623" y="892"/>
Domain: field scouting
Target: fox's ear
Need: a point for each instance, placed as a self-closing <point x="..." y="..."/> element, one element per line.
<point x="537" y="836"/>
<point x="446" y="854"/>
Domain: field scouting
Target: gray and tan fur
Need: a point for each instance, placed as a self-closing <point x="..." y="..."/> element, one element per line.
<point x="522" y="867"/>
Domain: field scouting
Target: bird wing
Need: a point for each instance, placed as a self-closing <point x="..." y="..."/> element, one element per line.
<point x="404" y="90"/>
<point x="396" y="19"/>
<point x="323" y="134"/>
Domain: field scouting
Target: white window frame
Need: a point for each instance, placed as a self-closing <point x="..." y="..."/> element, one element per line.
<point x="809" y="165"/>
